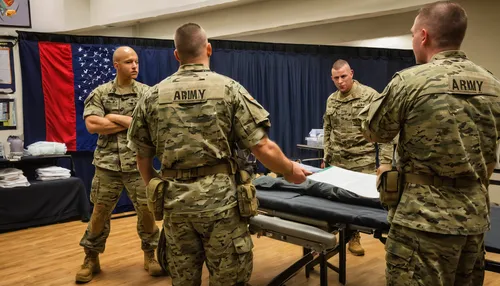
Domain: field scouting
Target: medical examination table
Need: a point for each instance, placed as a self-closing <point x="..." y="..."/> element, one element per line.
<point x="321" y="218"/>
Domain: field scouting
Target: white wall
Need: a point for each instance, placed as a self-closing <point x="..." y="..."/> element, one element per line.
<point x="269" y="16"/>
<point x="365" y="31"/>
<point x="47" y="15"/>
<point x="482" y="40"/>
<point x="76" y="14"/>
<point x="58" y="15"/>
<point x="105" y="12"/>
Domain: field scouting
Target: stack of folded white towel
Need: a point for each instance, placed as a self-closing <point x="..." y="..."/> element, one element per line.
<point x="12" y="177"/>
<point x="46" y="148"/>
<point x="52" y="173"/>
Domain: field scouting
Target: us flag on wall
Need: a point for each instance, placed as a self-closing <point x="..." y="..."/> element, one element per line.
<point x="60" y="71"/>
<point x="69" y="73"/>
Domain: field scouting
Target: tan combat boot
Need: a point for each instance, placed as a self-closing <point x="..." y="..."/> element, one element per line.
<point x="355" y="245"/>
<point x="151" y="265"/>
<point x="89" y="268"/>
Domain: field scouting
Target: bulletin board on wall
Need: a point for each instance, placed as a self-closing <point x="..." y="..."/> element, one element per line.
<point x="7" y="75"/>
<point x="8" y="116"/>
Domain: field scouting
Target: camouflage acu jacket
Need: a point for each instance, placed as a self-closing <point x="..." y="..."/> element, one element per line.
<point x="192" y="119"/>
<point x="447" y="114"/>
<point x="112" y="152"/>
<point x="344" y="144"/>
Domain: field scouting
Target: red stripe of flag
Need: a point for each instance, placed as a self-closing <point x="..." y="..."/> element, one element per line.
<point x="59" y="93"/>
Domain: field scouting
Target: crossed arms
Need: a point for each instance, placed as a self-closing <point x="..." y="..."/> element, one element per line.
<point x="109" y="124"/>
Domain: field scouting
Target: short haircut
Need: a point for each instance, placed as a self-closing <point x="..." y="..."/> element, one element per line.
<point x="446" y="22"/>
<point x="190" y="39"/>
<point x="339" y="64"/>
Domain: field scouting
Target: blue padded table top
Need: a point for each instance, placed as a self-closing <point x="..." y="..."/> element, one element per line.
<point x="320" y="201"/>
<point x="335" y="205"/>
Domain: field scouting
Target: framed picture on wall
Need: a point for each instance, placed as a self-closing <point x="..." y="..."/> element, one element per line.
<point x="8" y="114"/>
<point x="15" y="13"/>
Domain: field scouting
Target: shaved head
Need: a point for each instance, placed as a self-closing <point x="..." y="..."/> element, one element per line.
<point x="446" y="23"/>
<point x="340" y="64"/>
<point x="123" y="52"/>
<point x="190" y="42"/>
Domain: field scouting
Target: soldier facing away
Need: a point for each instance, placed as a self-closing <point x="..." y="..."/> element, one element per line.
<point x="447" y="113"/>
<point x="193" y="121"/>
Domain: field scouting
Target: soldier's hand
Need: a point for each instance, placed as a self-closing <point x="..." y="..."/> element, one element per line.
<point x="383" y="167"/>
<point x="297" y="175"/>
<point x="322" y="166"/>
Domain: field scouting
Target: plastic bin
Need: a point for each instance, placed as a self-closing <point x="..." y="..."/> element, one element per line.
<point x="312" y="141"/>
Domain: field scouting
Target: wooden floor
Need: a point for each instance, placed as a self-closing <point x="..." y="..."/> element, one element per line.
<point x="50" y="255"/>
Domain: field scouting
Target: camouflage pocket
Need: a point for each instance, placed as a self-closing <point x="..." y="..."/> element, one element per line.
<point x="241" y="263"/>
<point x="331" y="115"/>
<point x="398" y="254"/>
<point x="400" y="263"/>
<point x="243" y="244"/>
<point x="155" y="196"/>
<point x="94" y="190"/>
<point x="247" y="200"/>
<point x="102" y="141"/>
<point x="389" y="188"/>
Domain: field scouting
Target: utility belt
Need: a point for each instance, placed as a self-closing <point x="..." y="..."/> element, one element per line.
<point x="438" y="181"/>
<point x="390" y="184"/>
<point x="176" y="174"/>
<point x="246" y="192"/>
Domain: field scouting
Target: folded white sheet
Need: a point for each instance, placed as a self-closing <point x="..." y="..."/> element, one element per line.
<point x="359" y="183"/>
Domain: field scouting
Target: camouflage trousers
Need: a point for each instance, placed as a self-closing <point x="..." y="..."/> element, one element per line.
<point x="416" y="257"/>
<point x="224" y="244"/>
<point x="106" y="189"/>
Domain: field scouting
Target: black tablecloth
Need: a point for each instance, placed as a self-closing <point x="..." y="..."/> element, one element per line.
<point x="44" y="202"/>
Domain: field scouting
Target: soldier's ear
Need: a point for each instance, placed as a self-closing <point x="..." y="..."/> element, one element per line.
<point x="176" y="54"/>
<point x="425" y="37"/>
<point x="209" y="50"/>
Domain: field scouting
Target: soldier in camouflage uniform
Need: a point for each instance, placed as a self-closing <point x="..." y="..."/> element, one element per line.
<point x="344" y="144"/>
<point x="108" y="111"/>
<point x="192" y="121"/>
<point x="447" y="113"/>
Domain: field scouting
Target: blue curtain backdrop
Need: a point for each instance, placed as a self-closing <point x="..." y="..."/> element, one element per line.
<point x="292" y="82"/>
